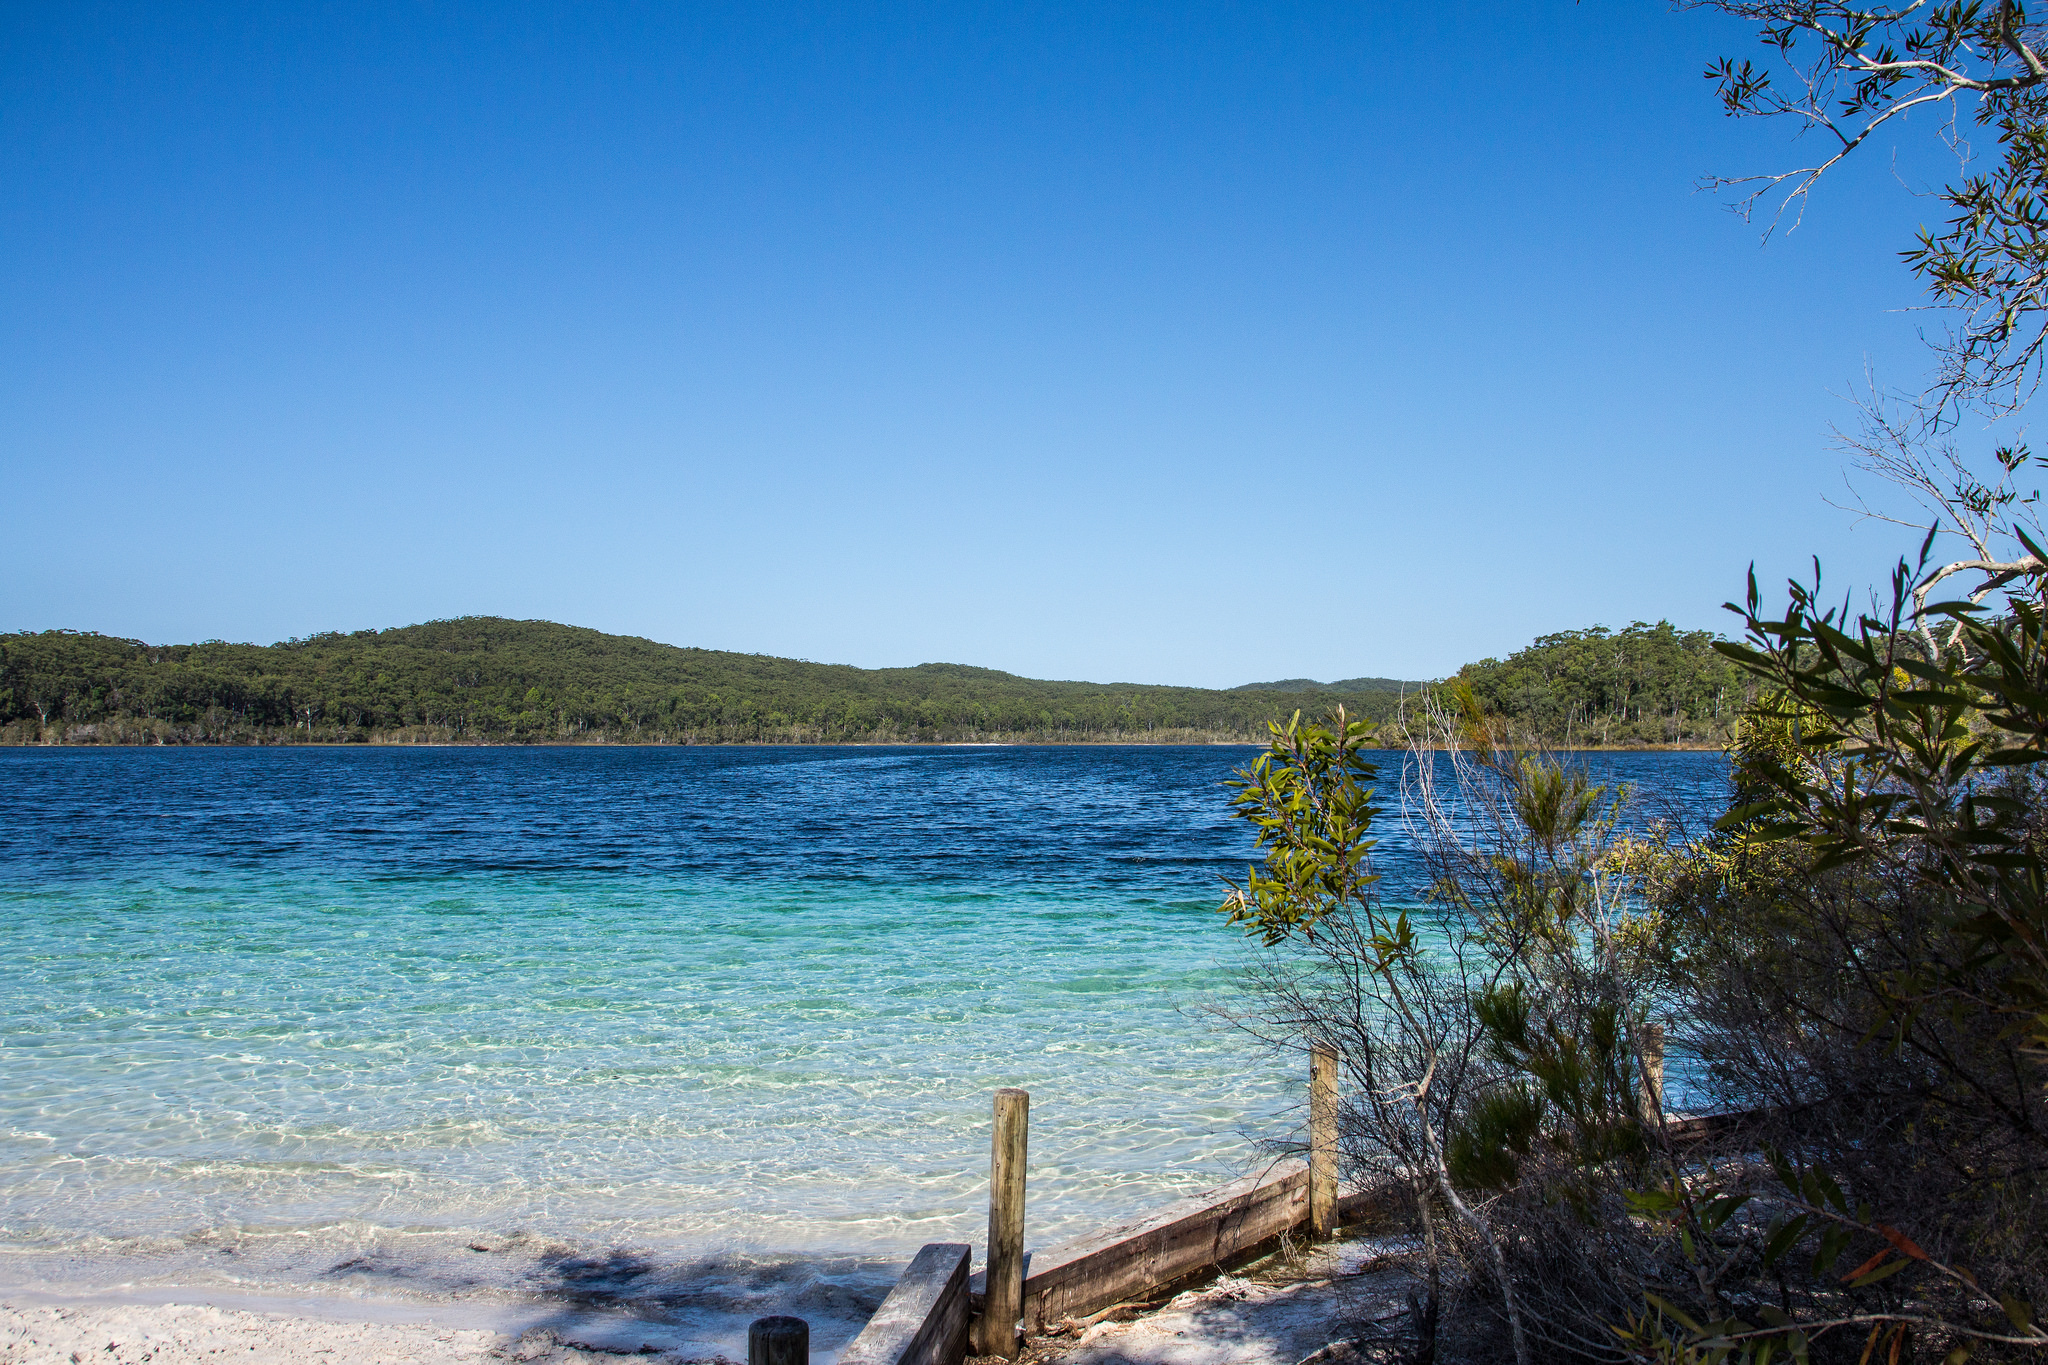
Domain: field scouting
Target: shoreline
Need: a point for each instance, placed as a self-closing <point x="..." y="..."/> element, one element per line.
<point x="1285" y="1307"/>
<point x="556" y="1301"/>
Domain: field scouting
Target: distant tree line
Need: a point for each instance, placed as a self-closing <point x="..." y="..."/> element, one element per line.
<point x="1641" y="685"/>
<point x="489" y="680"/>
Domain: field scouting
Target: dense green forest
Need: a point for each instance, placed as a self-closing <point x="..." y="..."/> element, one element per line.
<point x="485" y="679"/>
<point x="1641" y="685"/>
<point x="1347" y="685"/>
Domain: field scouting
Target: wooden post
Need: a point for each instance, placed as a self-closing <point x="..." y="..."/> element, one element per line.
<point x="1002" y="1301"/>
<point x="1650" y="1085"/>
<point x="779" y="1341"/>
<point x="1322" y="1140"/>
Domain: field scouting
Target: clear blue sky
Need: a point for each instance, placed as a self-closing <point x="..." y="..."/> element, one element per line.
<point x="1168" y="343"/>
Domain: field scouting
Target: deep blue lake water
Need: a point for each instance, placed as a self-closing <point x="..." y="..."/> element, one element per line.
<point x="267" y="1005"/>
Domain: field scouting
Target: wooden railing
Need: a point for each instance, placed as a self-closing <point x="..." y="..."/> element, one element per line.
<point x="936" y="1312"/>
<point x="926" y="1318"/>
<point x="1119" y="1263"/>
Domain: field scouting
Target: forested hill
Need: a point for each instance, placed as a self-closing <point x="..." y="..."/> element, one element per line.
<point x="485" y="679"/>
<point x="1394" y="685"/>
<point x="1642" y="685"/>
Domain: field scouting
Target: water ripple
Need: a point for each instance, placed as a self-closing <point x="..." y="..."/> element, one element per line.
<point x="711" y="1001"/>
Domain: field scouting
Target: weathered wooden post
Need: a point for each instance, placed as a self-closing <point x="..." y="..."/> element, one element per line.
<point x="1650" y="1085"/>
<point x="779" y="1341"/>
<point x="1002" y="1300"/>
<point x="1322" y="1140"/>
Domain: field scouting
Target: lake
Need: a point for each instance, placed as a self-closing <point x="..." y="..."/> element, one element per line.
<point x="338" y="1016"/>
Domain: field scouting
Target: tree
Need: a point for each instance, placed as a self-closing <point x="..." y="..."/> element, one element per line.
<point x="1864" y="978"/>
<point x="1496" y="1039"/>
<point x="1855" y="959"/>
<point x="1864" y="943"/>
<point x="1394" y="1010"/>
<point x="1842" y="72"/>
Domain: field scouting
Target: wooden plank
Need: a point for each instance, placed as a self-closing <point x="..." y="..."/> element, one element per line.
<point x="924" y="1319"/>
<point x="1698" y="1127"/>
<point x="1125" y="1262"/>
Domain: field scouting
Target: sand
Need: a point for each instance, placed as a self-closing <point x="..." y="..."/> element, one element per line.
<point x="167" y="1334"/>
<point x="1283" y="1312"/>
<point x="48" y="1331"/>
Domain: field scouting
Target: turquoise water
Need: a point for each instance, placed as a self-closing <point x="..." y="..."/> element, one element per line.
<point x="270" y="1014"/>
<point x="679" y="1061"/>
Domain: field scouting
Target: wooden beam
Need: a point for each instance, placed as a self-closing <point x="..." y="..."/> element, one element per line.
<point x="924" y="1319"/>
<point x="1124" y="1262"/>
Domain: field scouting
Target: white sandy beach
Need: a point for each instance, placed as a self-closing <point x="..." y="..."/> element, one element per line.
<point x="171" y="1334"/>
<point x="1277" y="1316"/>
<point x="35" y="1330"/>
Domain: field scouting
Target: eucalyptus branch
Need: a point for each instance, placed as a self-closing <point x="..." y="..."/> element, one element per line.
<point x="1854" y="71"/>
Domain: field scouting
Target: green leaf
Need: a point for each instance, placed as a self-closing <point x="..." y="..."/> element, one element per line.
<point x="1718" y="1211"/>
<point x="1782" y="1240"/>
<point x="1648" y="1202"/>
<point x="1672" y="1311"/>
<point x="1833" y="1243"/>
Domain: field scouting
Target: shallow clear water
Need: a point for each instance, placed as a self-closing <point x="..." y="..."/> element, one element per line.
<point x="694" y="1001"/>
